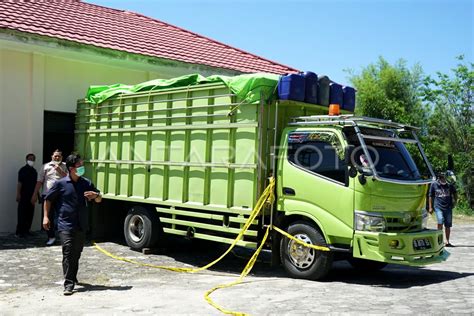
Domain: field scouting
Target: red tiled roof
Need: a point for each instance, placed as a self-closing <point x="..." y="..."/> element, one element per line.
<point x="99" y="26"/>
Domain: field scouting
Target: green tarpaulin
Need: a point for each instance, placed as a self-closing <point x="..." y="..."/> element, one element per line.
<point x="247" y="87"/>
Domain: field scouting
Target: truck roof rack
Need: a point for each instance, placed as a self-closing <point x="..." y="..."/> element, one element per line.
<point x="349" y="120"/>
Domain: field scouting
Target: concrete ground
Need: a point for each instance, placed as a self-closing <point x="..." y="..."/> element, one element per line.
<point x="31" y="283"/>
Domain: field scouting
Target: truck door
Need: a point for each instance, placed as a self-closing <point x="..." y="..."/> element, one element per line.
<point x="313" y="182"/>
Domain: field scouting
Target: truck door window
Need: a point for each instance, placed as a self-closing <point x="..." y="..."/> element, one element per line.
<point x="320" y="152"/>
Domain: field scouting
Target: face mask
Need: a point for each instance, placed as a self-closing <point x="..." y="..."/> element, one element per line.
<point x="80" y="171"/>
<point x="30" y="163"/>
<point x="56" y="162"/>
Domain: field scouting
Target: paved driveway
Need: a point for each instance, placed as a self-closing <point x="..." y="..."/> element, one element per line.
<point x="30" y="282"/>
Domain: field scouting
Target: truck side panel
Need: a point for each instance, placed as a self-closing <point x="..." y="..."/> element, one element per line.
<point x="198" y="154"/>
<point x="173" y="146"/>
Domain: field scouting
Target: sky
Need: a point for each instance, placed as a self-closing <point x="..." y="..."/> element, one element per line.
<point x="327" y="36"/>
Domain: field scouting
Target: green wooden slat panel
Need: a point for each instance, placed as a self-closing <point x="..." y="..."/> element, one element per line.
<point x="123" y="179"/>
<point x="176" y="175"/>
<point x="139" y="172"/>
<point x="244" y="180"/>
<point x="193" y="206"/>
<point x="100" y="175"/>
<point x="142" y="115"/>
<point x="125" y="146"/>
<point x="139" y="176"/>
<point x="241" y="220"/>
<point x="199" y="107"/>
<point x="218" y="188"/>
<point x="158" y="149"/>
<point x="177" y="146"/>
<point x="196" y="184"/>
<point x="232" y="219"/>
<point x="113" y="172"/>
<point x="247" y="244"/>
<point x="207" y="226"/>
<point x="167" y="128"/>
<point x="190" y="213"/>
<point x="198" y="141"/>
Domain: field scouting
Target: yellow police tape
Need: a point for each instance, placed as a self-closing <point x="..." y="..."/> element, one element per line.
<point x="266" y="197"/>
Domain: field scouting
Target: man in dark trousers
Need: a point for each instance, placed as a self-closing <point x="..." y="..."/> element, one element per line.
<point x="71" y="193"/>
<point x="24" y="190"/>
<point x="443" y="199"/>
<point x="48" y="174"/>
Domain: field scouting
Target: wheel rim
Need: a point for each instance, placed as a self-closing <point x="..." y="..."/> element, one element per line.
<point x="136" y="228"/>
<point x="302" y="257"/>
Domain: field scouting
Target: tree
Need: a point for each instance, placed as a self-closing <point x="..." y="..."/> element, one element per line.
<point x="390" y="92"/>
<point x="451" y="123"/>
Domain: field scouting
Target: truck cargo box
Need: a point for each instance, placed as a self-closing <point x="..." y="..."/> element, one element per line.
<point x="199" y="154"/>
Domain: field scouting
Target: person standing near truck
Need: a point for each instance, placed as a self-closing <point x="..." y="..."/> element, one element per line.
<point x="24" y="189"/>
<point x="48" y="175"/>
<point x="71" y="195"/>
<point x="442" y="199"/>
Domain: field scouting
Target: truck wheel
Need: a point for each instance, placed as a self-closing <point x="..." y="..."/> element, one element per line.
<point x="366" y="265"/>
<point x="141" y="228"/>
<point x="303" y="262"/>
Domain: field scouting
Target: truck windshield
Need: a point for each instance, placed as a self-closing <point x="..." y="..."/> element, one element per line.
<point x="392" y="160"/>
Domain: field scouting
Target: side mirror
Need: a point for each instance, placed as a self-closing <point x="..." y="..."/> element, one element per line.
<point x="352" y="171"/>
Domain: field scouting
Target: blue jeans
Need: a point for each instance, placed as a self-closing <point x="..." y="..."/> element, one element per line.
<point x="444" y="216"/>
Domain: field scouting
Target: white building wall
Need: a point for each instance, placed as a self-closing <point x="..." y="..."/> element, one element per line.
<point x="35" y="78"/>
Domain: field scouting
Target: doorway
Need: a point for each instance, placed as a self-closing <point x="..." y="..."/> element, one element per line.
<point x="58" y="133"/>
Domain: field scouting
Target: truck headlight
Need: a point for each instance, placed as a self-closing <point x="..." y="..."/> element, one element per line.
<point x="369" y="222"/>
<point x="424" y="218"/>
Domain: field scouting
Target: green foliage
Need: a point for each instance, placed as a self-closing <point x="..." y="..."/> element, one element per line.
<point x="442" y="107"/>
<point x="390" y="92"/>
<point x="451" y="124"/>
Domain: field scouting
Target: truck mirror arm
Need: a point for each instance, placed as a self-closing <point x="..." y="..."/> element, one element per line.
<point x="352" y="171"/>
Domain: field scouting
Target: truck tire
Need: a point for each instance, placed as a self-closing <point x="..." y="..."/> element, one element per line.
<point x="303" y="262"/>
<point x="366" y="265"/>
<point x="141" y="228"/>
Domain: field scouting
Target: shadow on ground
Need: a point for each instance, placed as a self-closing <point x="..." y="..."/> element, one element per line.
<point x="35" y="240"/>
<point x="85" y="287"/>
<point x="199" y="253"/>
<point x="392" y="276"/>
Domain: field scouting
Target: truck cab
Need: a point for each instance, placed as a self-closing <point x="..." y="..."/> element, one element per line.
<point x="356" y="185"/>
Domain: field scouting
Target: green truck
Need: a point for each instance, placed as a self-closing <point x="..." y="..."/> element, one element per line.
<point x="193" y="159"/>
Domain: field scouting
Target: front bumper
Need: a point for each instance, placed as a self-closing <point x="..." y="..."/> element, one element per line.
<point x="377" y="247"/>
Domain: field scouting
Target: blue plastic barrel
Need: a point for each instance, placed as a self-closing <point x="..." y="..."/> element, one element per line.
<point x="323" y="90"/>
<point x="348" y="102"/>
<point x="335" y="94"/>
<point x="291" y="87"/>
<point x="311" y="87"/>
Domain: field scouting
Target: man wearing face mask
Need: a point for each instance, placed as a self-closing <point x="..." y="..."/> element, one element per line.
<point x="24" y="190"/>
<point x="442" y="199"/>
<point x="48" y="175"/>
<point x="71" y="195"/>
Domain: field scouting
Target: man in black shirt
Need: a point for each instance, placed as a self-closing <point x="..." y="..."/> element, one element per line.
<point x="444" y="196"/>
<point x="24" y="190"/>
<point x="71" y="194"/>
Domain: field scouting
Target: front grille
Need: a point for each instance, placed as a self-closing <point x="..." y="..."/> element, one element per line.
<point x="398" y="224"/>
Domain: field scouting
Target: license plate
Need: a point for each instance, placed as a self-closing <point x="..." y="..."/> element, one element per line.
<point x="421" y="244"/>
